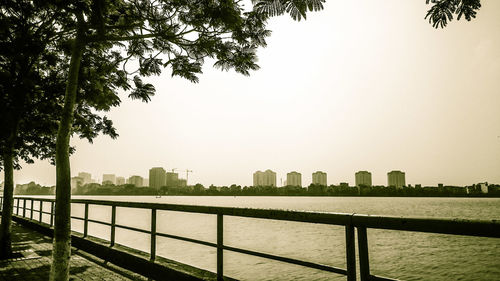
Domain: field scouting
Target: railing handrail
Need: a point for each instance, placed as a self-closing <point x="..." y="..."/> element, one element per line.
<point x="351" y="221"/>
<point x="456" y="226"/>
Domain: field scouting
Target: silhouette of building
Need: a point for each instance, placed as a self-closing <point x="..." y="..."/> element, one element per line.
<point x="396" y="179"/>
<point x="182" y="183"/>
<point x="319" y="178"/>
<point x="86" y="177"/>
<point x="294" y="179"/>
<point x="344" y="184"/>
<point x="363" y="178"/>
<point x="108" y="179"/>
<point x="76" y="182"/>
<point x="120" y="180"/>
<point x="172" y="179"/>
<point x="157" y="177"/>
<point x="266" y="178"/>
<point x="484" y="187"/>
<point x="136" y="181"/>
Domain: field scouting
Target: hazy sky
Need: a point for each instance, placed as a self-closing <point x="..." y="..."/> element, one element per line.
<point x="362" y="85"/>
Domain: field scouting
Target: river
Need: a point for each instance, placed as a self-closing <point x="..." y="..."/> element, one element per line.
<point x="394" y="254"/>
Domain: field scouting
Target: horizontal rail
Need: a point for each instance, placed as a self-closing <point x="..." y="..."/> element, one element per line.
<point x="133" y="228"/>
<point x="201" y="242"/>
<point x="288" y="260"/>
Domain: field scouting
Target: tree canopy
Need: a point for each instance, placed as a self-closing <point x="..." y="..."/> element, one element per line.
<point x="442" y="11"/>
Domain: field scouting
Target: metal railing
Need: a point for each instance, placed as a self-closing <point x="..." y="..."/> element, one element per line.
<point x="481" y="228"/>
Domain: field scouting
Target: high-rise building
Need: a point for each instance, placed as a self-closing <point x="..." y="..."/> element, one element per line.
<point x="266" y="178"/>
<point x="319" y="178"/>
<point x="120" y="180"/>
<point x="396" y="179"/>
<point x="157" y="177"/>
<point x="363" y="178"/>
<point x="294" y="179"/>
<point x="108" y="179"/>
<point x="172" y="179"/>
<point x="86" y="177"/>
<point x="136" y="181"/>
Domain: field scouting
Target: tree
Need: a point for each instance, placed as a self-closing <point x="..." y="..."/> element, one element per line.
<point x="156" y="34"/>
<point x="33" y="73"/>
<point x="20" y="138"/>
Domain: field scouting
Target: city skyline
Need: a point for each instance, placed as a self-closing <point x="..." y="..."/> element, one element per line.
<point x="348" y="95"/>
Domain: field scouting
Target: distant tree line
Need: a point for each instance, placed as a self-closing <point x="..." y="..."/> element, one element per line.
<point x="237" y="190"/>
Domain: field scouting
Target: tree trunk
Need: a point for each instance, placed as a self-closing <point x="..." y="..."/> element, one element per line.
<point x="62" y="225"/>
<point x="8" y="205"/>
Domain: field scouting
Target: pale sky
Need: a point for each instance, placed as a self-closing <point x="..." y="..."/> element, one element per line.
<point x="361" y="85"/>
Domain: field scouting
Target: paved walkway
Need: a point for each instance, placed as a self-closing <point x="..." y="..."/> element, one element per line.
<point x="34" y="264"/>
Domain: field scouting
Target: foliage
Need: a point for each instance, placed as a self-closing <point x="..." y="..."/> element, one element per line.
<point x="33" y="67"/>
<point x="442" y="11"/>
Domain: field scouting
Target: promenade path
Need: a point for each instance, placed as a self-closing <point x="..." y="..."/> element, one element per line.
<point x="34" y="264"/>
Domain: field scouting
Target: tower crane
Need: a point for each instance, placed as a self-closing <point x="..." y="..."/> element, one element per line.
<point x="187" y="175"/>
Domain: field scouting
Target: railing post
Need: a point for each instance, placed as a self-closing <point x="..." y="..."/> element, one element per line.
<point x="350" y="253"/>
<point x="31" y="209"/>
<point x="153" y="235"/>
<point x="113" y="222"/>
<point x="17" y="206"/>
<point x="51" y="213"/>
<point x="86" y="220"/>
<point x="364" y="261"/>
<point x="40" y="212"/>
<point x="220" y="245"/>
<point x="24" y="208"/>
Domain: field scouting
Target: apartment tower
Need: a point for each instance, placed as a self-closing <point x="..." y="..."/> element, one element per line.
<point x="294" y="179"/>
<point x="157" y="177"/>
<point x="319" y="178"/>
<point x="266" y="178"/>
<point x="396" y="179"/>
<point x="363" y="178"/>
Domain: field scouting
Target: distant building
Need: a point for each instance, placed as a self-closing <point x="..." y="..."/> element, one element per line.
<point x="319" y="178"/>
<point x="396" y="179"/>
<point x="120" y="180"/>
<point x="182" y="183"/>
<point x="363" y="178"/>
<point x="108" y="179"/>
<point x="145" y="182"/>
<point x="266" y="178"/>
<point x="294" y="179"/>
<point x="86" y="177"/>
<point x="157" y="177"/>
<point x="172" y="179"/>
<point x="76" y="182"/>
<point x="484" y="187"/>
<point x="136" y="181"/>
